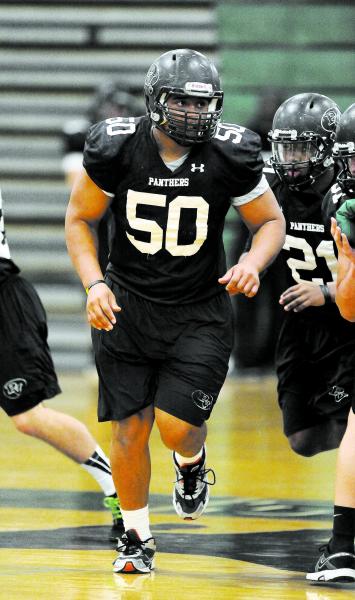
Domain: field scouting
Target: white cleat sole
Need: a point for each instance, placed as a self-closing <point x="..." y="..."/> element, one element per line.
<point x="335" y="575"/>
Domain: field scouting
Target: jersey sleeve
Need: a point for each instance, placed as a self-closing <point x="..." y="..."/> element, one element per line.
<point x="101" y="156"/>
<point x="333" y="199"/>
<point x="242" y="164"/>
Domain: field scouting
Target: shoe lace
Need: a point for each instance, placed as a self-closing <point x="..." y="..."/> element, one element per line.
<point x="129" y="546"/>
<point x="190" y="480"/>
<point x="113" y="504"/>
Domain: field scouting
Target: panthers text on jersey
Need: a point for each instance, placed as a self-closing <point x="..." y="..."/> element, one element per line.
<point x="168" y="243"/>
<point x="7" y="266"/>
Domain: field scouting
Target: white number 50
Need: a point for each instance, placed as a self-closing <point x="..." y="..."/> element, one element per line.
<point x="173" y="222"/>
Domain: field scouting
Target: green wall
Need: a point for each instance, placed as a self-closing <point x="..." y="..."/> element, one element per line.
<point x="292" y="46"/>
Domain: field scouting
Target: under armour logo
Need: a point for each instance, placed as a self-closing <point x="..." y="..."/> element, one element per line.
<point x="200" y="168"/>
<point x="12" y="389"/>
<point x="338" y="393"/>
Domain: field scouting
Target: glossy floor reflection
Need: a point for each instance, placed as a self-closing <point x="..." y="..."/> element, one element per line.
<point x="269" y="511"/>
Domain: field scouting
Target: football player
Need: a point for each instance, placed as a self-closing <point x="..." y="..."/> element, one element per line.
<point x="337" y="560"/>
<point x="27" y="377"/>
<point x="314" y="362"/>
<point x="161" y="319"/>
<point x="340" y="203"/>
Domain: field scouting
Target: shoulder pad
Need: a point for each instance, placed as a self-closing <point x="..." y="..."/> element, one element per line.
<point x="237" y="137"/>
<point x="103" y="144"/>
<point x="241" y="161"/>
<point x="333" y="199"/>
<point x="107" y="137"/>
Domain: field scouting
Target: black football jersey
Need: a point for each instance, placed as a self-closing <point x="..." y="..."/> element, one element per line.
<point x="333" y="200"/>
<point x="168" y="243"/>
<point x="7" y="266"/>
<point x="309" y="251"/>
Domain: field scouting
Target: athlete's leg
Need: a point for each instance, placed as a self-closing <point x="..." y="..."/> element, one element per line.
<point x="191" y="489"/>
<point x="337" y="561"/>
<point x="71" y="437"/>
<point x="131" y="469"/>
<point x="345" y="469"/>
<point x="62" y="431"/>
<point x="130" y="458"/>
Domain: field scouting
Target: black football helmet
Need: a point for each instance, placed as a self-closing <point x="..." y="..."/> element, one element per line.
<point x="344" y="149"/>
<point x="302" y="137"/>
<point x="185" y="73"/>
<point x="112" y="99"/>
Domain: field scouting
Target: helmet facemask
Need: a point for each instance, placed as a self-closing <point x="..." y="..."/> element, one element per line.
<point x="299" y="160"/>
<point x="187" y="127"/>
<point x="346" y="177"/>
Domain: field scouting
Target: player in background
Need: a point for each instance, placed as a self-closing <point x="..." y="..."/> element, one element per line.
<point x="316" y="347"/>
<point x="27" y="378"/>
<point x="337" y="560"/>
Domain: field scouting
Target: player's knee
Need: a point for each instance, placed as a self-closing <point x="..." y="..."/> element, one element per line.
<point x="179" y="435"/>
<point x="301" y="444"/>
<point x="24" y="423"/>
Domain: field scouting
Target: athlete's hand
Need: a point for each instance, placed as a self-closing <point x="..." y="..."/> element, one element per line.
<point x="101" y="306"/>
<point x="242" y="278"/>
<point x="300" y="296"/>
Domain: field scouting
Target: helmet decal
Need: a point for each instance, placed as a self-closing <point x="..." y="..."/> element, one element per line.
<point x="151" y="78"/>
<point x="330" y="119"/>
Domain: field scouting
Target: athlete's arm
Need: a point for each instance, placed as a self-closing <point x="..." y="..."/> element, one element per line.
<point x="265" y="221"/>
<point x="86" y="207"/>
<point x="345" y="287"/>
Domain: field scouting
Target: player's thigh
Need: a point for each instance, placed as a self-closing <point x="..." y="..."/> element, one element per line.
<point x="191" y="379"/>
<point x="127" y="380"/>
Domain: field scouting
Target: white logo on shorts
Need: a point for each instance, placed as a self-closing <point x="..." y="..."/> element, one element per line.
<point x="338" y="393"/>
<point x="202" y="400"/>
<point x="13" y="388"/>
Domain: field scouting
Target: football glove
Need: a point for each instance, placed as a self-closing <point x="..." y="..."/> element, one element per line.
<point x="345" y="216"/>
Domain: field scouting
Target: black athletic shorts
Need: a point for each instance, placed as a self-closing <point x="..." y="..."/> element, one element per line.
<point x="175" y="357"/>
<point x="315" y="365"/>
<point x="27" y="374"/>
